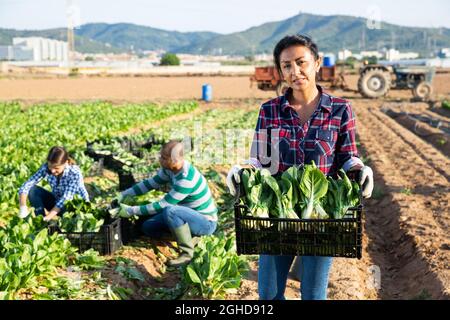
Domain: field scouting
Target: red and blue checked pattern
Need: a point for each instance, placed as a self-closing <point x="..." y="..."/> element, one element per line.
<point x="328" y="138"/>
<point x="64" y="188"/>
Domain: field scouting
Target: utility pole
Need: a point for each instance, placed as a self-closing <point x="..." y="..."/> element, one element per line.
<point x="70" y="43"/>
<point x="73" y="20"/>
<point x="392" y="39"/>
<point x="363" y="39"/>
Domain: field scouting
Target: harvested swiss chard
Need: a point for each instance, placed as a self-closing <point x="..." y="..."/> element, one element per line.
<point x="313" y="187"/>
<point x="304" y="192"/>
<point x="81" y="216"/>
<point x="342" y="195"/>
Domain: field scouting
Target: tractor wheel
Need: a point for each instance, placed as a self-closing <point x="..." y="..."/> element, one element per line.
<point x="282" y="86"/>
<point x="422" y="91"/>
<point x="374" y="83"/>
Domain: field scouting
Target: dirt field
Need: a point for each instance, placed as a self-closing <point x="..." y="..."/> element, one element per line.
<point x="406" y="238"/>
<point x="407" y="226"/>
<point x="156" y="88"/>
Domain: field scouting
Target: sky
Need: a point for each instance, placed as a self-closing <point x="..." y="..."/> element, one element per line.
<point x="226" y="16"/>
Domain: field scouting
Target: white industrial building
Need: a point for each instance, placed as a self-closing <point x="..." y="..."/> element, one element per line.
<point x="376" y="54"/>
<point x="35" y="49"/>
<point x="344" y="54"/>
<point x="388" y="54"/>
<point x="18" y="53"/>
<point x="444" y="53"/>
<point x="392" y="55"/>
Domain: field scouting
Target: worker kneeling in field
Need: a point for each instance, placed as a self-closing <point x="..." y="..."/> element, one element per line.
<point x="65" y="179"/>
<point x="187" y="208"/>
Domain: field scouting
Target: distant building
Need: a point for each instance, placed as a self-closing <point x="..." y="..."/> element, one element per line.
<point x="376" y="54"/>
<point x="392" y="55"/>
<point x="4" y="53"/>
<point x="43" y="49"/>
<point x="344" y="55"/>
<point x="188" y="59"/>
<point x="444" y="53"/>
<point x="16" y="53"/>
<point x="20" y="53"/>
<point x="263" y="57"/>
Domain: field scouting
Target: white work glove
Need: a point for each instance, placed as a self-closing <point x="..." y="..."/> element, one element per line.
<point x="23" y="212"/>
<point x="366" y="182"/>
<point x="233" y="178"/>
<point x="125" y="211"/>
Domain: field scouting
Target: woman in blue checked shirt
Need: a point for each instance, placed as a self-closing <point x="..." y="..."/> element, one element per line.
<point x="65" y="179"/>
<point x="305" y="124"/>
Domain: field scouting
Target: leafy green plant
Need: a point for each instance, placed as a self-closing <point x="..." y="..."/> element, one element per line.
<point x="445" y="104"/>
<point x="313" y="186"/>
<point x="342" y="195"/>
<point x="90" y="260"/>
<point x="406" y="191"/>
<point x="305" y="190"/>
<point x="441" y="141"/>
<point x="162" y="293"/>
<point x="126" y="268"/>
<point x="81" y="216"/>
<point x="27" y="252"/>
<point x="215" y="268"/>
<point x="119" y="293"/>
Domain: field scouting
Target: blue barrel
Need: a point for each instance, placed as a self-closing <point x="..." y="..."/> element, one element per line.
<point x="329" y="61"/>
<point x="207" y="92"/>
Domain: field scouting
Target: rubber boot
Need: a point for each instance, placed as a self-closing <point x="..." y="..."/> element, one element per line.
<point x="184" y="241"/>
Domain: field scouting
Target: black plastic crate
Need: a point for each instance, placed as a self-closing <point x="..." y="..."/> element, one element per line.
<point x="128" y="179"/>
<point x="299" y="237"/>
<point x="128" y="145"/>
<point x="131" y="230"/>
<point x="109" y="161"/>
<point x="106" y="241"/>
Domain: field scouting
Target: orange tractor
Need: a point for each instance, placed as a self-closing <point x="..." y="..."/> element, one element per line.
<point x="268" y="78"/>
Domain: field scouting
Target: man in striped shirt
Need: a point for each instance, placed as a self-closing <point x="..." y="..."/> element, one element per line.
<point x="188" y="208"/>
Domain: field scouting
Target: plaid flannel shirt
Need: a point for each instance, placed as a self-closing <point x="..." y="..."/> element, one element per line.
<point x="63" y="188"/>
<point x="327" y="138"/>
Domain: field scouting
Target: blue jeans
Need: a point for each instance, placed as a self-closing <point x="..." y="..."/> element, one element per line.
<point x="40" y="199"/>
<point x="273" y="272"/>
<point x="175" y="216"/>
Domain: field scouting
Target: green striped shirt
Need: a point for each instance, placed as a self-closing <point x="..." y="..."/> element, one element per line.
<point x="189" y="189"/>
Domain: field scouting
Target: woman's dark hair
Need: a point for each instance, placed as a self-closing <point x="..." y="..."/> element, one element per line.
<point x="294" y="40"/>
<point x="58" y="156"/>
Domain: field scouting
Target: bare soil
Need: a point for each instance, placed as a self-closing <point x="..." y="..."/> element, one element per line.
<point x="140" y="89"/>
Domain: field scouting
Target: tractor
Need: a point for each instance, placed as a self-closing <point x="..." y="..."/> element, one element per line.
<point x="375" y="81"/>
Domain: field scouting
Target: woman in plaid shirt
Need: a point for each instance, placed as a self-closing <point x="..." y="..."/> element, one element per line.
<point x="304" y="125"/>
<point x="65" y="179"/>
